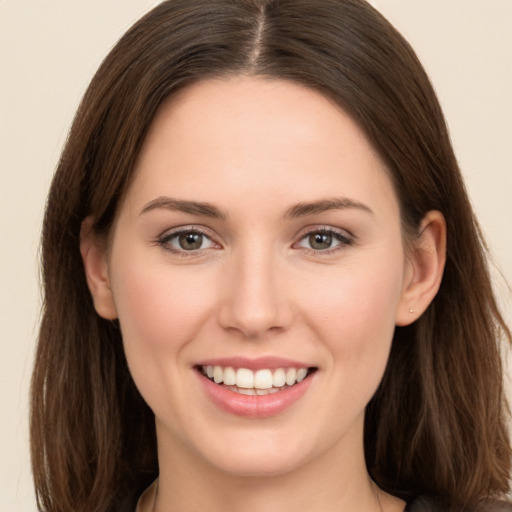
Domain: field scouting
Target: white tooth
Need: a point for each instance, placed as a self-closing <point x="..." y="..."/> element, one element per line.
<point x="301" y="374"/>
<point x="217" y="374"/>
<point x="291" y="375"/>
<point x="279" y="378"/>
<point x="262" y="392"/>
<point x="209" y="372"/>
<point x="244" y="378"/>
<point x="229" y="376"/>
<point x="246" y="391"/>
<point x="263" y="379"/>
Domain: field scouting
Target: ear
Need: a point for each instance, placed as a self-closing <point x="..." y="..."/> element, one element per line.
<point x="93" y="249"/>
<point x="424" y="270"/>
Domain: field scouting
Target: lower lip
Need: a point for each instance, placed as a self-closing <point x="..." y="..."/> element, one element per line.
<point x="254" y="406"/>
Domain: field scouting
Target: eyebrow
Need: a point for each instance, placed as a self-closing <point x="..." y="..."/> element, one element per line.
<point x="324" y="205"/>
<point x="192" y="207"/>
<point x="210" y="210"/>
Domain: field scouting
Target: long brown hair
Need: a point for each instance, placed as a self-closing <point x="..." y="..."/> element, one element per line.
<point x="437" y="423"/>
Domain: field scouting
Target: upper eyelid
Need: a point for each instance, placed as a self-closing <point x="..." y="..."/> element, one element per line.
<point x="344" y="237"/>
<point x="323" y="228"/>
<point x="171" y="233"/>
<point x="303" y="232"/>
<point x="184" y="229"/>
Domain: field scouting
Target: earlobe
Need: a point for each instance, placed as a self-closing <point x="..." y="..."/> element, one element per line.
<point x="425" y="269"/>
<point x="94" y="257"/>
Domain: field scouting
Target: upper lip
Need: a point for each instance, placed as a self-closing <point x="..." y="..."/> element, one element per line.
<point x="260" y="363"/>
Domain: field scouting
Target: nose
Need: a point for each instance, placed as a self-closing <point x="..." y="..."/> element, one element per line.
<point x="254" y="295"/>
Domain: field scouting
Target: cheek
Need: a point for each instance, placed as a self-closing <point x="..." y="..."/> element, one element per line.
<point x="352" y="310"/>
<point x="357" y="292"/>
<point x="159" y="313"/>
<point x="158" y="307"/>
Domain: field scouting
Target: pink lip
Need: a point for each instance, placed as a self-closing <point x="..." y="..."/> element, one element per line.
<point x="254" y="406"/>
<point x="260" y="363"/>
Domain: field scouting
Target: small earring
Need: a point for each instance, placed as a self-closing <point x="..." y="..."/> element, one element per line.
<point x="411" y="310"/>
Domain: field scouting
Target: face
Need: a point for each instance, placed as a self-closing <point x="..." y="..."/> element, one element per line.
<point x="257" y="268"/>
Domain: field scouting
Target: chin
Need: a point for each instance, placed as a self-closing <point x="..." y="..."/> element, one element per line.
<point x="255" y="459"/>
<point x="257" y="466"/>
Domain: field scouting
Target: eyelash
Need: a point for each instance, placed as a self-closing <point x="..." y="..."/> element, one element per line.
<point x="165" y="239"/>
<point x="344" y="239"/>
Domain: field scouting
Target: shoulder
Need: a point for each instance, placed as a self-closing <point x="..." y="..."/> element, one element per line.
<point x="425" y="504"/>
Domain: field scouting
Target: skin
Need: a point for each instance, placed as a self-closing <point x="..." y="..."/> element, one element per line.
<point x="255" y="149"/>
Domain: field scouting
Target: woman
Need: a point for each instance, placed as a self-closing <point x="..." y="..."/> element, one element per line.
<point x="264" y="284"/>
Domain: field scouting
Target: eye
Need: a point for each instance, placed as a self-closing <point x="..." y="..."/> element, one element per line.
<point x="324" y="240"/>
<point x="186" y="240"/>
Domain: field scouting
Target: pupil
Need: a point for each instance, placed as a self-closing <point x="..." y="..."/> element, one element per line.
<point x="190" y="241"/>
<point x="320" y="241"/>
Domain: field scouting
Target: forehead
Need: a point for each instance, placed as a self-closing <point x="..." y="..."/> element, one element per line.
<point x="254" y="138"/>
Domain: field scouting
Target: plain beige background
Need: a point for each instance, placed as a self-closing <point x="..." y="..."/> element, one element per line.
<point x="48" y="53"/>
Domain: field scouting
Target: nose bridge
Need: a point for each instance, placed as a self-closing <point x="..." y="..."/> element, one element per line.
<point x="254" y="302"/>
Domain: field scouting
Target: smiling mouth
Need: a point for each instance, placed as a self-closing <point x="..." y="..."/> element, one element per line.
<point x="261" y="382"/>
